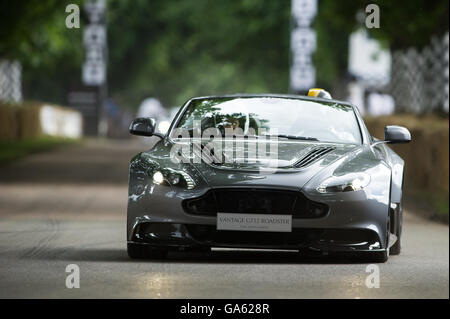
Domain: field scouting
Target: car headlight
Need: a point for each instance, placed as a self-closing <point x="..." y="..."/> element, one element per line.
<point x="345" y="183"/>
<point x="158" y="178"/>
<point x="173" y="177"/>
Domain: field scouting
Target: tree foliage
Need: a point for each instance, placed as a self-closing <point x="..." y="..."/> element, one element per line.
<point x="173" y="50"/>
<point x="198" y="47"/>
<point x="34" y="33"/>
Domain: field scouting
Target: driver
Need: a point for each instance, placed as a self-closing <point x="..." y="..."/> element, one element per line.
<point x="231" y="122"/>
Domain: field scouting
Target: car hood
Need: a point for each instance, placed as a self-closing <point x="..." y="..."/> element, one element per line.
<point x="287" y="164"/>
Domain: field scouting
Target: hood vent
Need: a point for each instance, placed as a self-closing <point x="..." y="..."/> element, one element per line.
<point x="313" y="156"/>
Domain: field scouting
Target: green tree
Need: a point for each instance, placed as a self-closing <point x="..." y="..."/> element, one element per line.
<point x="197" y="47"/>
<point x="34" y="33"/>
<point x="173" y="50"/>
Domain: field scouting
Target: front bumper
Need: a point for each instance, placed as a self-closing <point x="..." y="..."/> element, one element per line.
<point x="194" y="236"/>
<point x="355" y="221"/>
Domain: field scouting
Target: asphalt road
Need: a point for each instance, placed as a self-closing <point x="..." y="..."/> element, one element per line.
<point x="68" y="206"/>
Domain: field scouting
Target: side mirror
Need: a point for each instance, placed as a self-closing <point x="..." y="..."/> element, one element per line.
<point x="394" y="134"/>
<point x="143" y="126"/>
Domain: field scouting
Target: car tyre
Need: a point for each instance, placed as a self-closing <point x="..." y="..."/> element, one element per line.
<point x="139" y="251"/>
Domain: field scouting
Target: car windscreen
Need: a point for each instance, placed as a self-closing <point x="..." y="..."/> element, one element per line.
<point x="269" y="116"/>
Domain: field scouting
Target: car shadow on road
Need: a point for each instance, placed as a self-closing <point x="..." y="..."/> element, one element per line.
<point x="258" y="257"/>
<point x="211" y="257"/>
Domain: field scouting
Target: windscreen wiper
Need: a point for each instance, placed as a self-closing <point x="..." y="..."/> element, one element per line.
<point x="294" y="137"/>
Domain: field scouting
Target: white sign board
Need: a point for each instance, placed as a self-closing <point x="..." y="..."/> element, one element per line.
<point x="94" y="40"/>
<point x="254" y="222"/>
<point x="303" y="45"/>
<point x="368" y="60"/>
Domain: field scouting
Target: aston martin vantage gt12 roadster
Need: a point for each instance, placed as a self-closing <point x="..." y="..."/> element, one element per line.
<point x="266" y="171"/>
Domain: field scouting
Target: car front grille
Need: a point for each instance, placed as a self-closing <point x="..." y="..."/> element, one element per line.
<point x="254" y="201"/>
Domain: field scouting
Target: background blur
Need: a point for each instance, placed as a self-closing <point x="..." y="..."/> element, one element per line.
<point x="151" y="56"/>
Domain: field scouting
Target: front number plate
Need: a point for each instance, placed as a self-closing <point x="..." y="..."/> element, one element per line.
<point x="254" y="222"/>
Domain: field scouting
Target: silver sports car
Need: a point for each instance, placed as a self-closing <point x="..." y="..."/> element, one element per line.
<point x="266" y="171"/>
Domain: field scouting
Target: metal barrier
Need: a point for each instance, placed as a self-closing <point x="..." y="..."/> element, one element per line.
<point x="420" y="79"/>
<point x="10" y="81"/>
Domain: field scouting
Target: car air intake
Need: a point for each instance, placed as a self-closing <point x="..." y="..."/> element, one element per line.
<point x="313" y="156"/>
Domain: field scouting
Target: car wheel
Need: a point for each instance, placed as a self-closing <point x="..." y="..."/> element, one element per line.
<point x="397" y="247"/>
<point x="139" y="251"/>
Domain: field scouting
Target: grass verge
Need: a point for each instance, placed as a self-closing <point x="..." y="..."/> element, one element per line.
<point x="13" y="150"/>
<point x="434" y="206"/>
